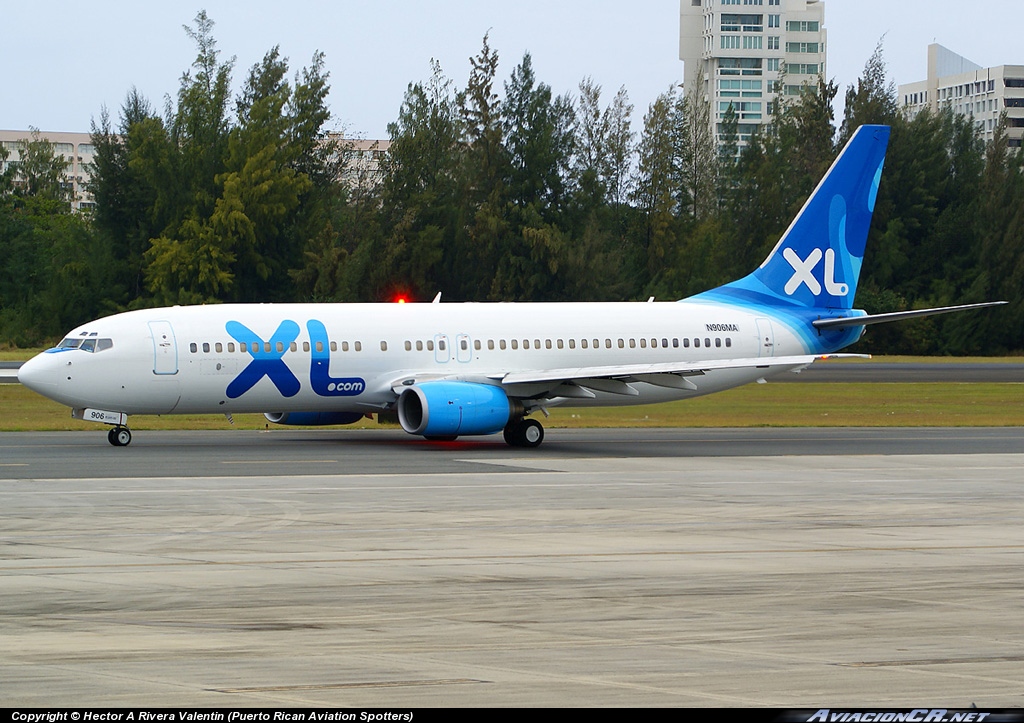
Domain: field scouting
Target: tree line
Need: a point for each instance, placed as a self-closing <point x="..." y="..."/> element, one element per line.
<point x="498" y="191"/>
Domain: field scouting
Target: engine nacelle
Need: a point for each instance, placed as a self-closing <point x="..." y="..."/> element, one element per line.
<point x="445" y="409"/>
<point x="313" y="419"/>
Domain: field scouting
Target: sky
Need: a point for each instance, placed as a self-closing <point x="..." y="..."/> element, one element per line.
<point x="63" y="62"/>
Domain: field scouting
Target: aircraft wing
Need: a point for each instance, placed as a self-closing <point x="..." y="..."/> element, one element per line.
<point x="616" y="379"/>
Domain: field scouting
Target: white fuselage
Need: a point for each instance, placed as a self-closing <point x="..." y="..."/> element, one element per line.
<point x="192" y="360"/>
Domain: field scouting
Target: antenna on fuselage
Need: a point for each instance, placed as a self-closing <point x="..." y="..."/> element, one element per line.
<point x="437" y="299"/>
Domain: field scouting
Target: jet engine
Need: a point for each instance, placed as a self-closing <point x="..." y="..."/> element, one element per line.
<point x="447" y="409"/>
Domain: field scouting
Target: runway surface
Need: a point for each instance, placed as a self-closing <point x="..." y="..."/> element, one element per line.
<point x="792" y="568"/>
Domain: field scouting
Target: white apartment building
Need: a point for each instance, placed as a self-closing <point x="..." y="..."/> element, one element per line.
<point x="77" y="150"/>
<point x="748" y="53"/>
<point x="363" y="159"/>
<point x="982" y="93"/>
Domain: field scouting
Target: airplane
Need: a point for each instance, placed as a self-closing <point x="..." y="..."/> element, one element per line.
<point x="452" y="370"/>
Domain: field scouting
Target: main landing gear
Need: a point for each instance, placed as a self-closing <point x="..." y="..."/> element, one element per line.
<point x="524" y="433"/>
<point x="119" y="436"/>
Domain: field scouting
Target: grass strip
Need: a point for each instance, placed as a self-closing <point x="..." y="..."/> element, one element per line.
<point x="755" y="405"/>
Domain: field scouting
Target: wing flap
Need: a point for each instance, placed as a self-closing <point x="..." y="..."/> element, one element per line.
<point x="585" y="376"/>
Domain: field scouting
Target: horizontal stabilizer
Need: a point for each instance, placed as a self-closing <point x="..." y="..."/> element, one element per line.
<point x="847" y="322"/>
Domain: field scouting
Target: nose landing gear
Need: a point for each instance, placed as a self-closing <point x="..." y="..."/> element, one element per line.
<point x="119" y="436"/>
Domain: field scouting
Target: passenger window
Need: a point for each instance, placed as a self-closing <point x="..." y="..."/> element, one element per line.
<point x="547" y="343"/>
<point x="476" y="344"/>
<point x="419" y="345"/>
<point x="696" y="343"/>
<point x="675" y="342"/>
<point x="583" y="343"/>
<point x="266" y="347"/>
<point x="501" y="344"/>
<point x="597" y="343"/>
<point x="632" y="343"/>
<point x="218" y="347"/>
<point x="280" y="347"/>
<point x="643" y="343"/>
<point x="463" y="345"/>
<point x="293" y="347"/>
<point x="718" y="342"/>
<point x="440" y="345"/>
<point x="728" y="341"/>
<point x="206" y="347"/>
<point x="383" y="346"/>
<point x="561" y="344"/>
<point x="193" y="348"/>
<point x="526" y="343"/>
<point x="515" y="344"/>
<point x="490" y="344"/>
<point x="358" y="346"/>
<point x="305" y="346"/>
<point x="408" y="346"/>
<point x="319" y="347"/>
<point x="231" y="347"/>
<point x="430" y="345"/>
<point x="686" y="343"/>
<point x="344" y="346"/>
<point x="707" y="343"/>
<point x="572" y="343"/>
<point x="334" y="346"/>
<point x="622" y="344"/>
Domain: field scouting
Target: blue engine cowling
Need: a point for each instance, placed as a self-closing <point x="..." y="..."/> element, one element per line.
<point x="313" y="419"/>
<point x="445" y="409"/>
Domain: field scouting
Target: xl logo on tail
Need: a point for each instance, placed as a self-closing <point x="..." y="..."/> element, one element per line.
<point x="803" y="273"/>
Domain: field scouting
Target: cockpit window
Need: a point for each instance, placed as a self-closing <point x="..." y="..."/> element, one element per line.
<point x="91" y="345"/>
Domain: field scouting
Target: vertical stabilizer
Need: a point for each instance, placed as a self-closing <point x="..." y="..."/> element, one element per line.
<point x="817" y="262"/>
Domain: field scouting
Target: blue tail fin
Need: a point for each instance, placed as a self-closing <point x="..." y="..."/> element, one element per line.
<point x="817" y="262"/>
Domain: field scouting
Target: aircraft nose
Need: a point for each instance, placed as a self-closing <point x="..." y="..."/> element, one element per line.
<point x="39" y="374"/>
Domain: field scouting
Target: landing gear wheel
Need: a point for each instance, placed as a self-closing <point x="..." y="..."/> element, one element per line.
<point x="531" y="433"/>
<point x="524" y="433"/>
<point x="119" y="436"/>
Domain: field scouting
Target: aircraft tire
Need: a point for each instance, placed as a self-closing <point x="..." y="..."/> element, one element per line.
<point x="531" y="432"/>
<point x="524" y="433"/>
<point x="120" y="436"/>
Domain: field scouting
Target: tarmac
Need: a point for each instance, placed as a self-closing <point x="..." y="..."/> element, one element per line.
<point x="779" y="568"/>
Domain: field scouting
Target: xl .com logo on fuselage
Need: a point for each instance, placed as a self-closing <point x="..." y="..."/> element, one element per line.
<point x="268" y="361"/>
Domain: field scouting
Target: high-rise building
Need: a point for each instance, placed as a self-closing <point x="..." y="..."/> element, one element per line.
<point x="748" y="53"/>
<point x="982" y="93"/>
